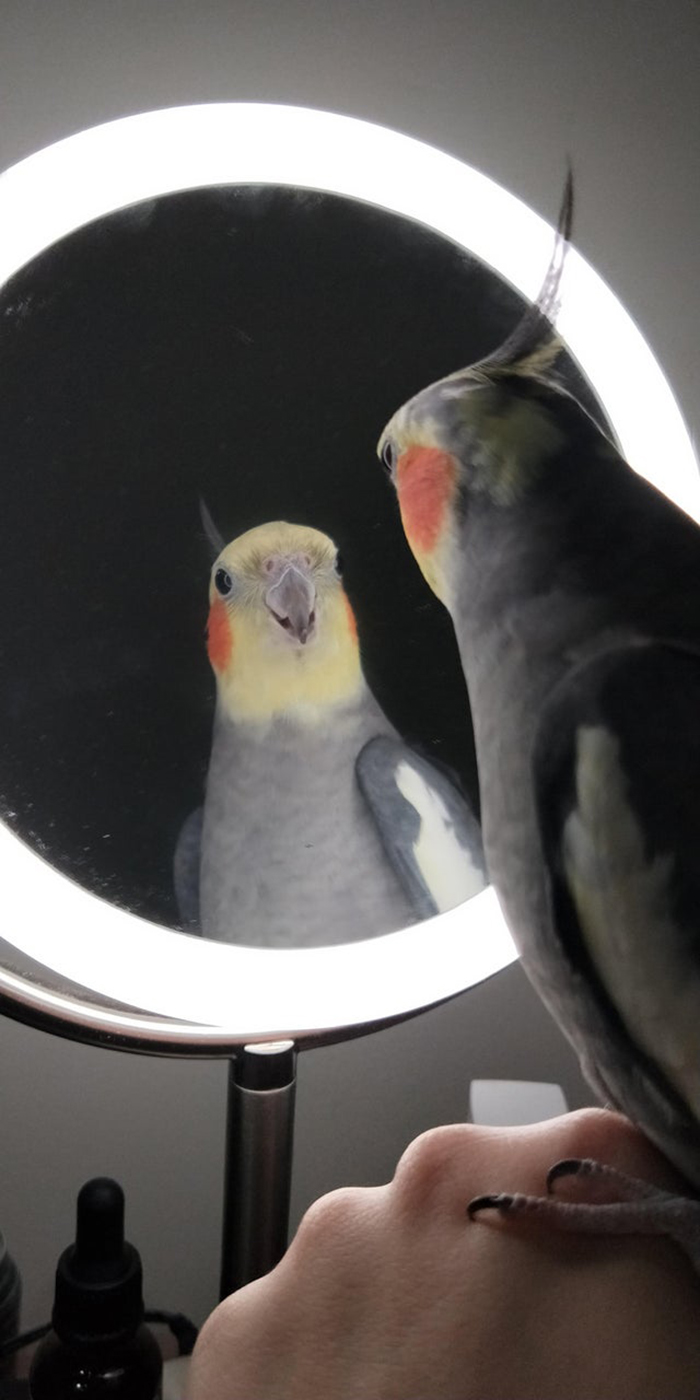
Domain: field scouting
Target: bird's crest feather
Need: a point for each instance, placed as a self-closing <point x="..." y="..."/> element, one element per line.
<point x="213" y="534"/>
<point x="533" y="346"/>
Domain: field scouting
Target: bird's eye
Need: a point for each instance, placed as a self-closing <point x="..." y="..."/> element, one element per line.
<point x="389" y="456"/>
<point x="339" y="565"/>
<point x="223" y="582"/>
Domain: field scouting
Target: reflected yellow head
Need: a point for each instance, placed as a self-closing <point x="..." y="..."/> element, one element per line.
<point x="281" y="633"/>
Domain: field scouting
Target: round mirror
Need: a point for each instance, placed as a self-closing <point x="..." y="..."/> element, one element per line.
<point x="208" y="314"/>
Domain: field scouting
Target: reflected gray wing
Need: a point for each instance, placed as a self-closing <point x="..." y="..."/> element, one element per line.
<point x="428" y="831"/>
<point x="186" y="870"/>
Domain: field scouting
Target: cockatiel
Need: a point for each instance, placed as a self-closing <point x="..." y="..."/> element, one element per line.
<point x="574" y="589"/>
<point x="319" y="825"/>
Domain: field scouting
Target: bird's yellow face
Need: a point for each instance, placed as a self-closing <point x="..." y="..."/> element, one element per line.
<point x="281" y="634"/>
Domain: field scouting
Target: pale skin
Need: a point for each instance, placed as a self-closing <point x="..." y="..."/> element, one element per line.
<point x="392" y="1293"/>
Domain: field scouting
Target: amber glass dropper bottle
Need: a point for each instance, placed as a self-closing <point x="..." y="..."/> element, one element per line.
<point x="99" y="1347"/>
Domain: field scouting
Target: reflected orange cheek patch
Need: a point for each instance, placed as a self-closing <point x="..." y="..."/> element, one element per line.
<point x="352" y="624"/>
<point x="425" y="479"/>
<point x="219" y="636"/>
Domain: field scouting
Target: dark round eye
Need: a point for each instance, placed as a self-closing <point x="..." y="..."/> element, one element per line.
<point x="339" y="565"/>
<point x="389" y="456"/>
<point x="223" y="582"/>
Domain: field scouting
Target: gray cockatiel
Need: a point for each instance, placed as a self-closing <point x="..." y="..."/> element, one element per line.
<point x="574" y="588"/>
<point x="319" y="825"/>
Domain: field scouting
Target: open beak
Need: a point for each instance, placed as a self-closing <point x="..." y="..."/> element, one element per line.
<point x="292" y="600"/>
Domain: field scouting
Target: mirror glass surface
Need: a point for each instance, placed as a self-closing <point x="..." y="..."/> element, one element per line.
<point x="207" y="354"/>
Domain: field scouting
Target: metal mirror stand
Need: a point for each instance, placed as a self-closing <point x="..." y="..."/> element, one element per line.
<point x="258" y="1171"/>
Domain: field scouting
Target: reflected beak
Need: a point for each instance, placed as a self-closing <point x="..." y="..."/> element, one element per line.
<point x="292" y="600"/>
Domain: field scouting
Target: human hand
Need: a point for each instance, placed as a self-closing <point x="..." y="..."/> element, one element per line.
<point x="391" y="1293"/>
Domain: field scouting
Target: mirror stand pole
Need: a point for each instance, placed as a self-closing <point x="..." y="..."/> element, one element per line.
<point x="258" y="1170"/>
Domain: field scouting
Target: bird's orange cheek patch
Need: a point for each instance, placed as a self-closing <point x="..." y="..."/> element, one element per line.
<point x="352" y="623"/>
<point x="219" y="636"/>
<point x="425" y="481"/>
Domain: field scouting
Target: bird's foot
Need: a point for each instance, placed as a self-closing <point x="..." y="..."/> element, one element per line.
<point x="607" y="1203"/>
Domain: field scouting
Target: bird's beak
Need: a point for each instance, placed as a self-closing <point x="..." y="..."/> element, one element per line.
<point x="292" y="600"/>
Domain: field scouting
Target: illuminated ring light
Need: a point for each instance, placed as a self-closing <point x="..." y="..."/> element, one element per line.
<point x="199" y="996"/>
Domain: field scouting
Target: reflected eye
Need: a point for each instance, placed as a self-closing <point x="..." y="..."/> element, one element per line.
<point x="339" y="565"/>
<point x="223" y="582"/>
<point x="389" y="456"/>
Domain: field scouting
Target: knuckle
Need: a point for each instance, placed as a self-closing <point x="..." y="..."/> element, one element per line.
<point x="215" y="1334"/>
<point x="337" y="1245"/>
<point x="592" y="1132"/>
<point x="330" y="1218"/>
<point x="426" y="1170"/>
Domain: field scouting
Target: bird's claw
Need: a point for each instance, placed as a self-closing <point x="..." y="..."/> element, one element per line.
<point x="569" y="1166"/>
<point x="620" y="1205"/>
<point x="598" y="1178"/>
<point x="502" y="1201"/>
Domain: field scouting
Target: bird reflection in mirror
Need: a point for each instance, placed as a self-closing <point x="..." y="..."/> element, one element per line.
<point x="319" y="824"/>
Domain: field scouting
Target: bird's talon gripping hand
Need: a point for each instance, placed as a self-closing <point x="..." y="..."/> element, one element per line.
<point x="570" y="1166"/>
<point x="502" y="1202"/>
<point x="638" y="1208"/>
<point x="595" y="1176"/>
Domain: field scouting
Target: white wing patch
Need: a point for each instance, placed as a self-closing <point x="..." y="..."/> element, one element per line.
<point x="445" y="865"/>
<point x="622" y="904"/>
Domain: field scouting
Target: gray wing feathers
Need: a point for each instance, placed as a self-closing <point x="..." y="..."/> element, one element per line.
<point x="186" y="870"/>
<point x="616" y="770"/>
<point x="431" y="837"/>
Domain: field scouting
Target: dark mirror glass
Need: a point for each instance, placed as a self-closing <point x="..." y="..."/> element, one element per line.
<point x="242" y="347"/>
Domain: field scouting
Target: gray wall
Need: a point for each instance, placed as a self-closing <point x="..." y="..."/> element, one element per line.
<point x="510" y="88"/>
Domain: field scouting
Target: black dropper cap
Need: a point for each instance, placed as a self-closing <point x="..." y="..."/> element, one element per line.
<point x="99" y="1287"/>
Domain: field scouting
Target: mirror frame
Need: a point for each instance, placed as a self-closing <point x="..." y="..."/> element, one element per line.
<point x="197" y="996"/>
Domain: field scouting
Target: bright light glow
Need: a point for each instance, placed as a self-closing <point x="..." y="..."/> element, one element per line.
<point x="251" y="991"/>
<point x="240" y="992"/>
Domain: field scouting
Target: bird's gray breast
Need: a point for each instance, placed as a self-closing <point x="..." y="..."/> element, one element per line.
<point x="505" y="696"/>
<point x="290" y="854"/>
<point x="512" y="663"/>
<point x="512" y="677"/>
